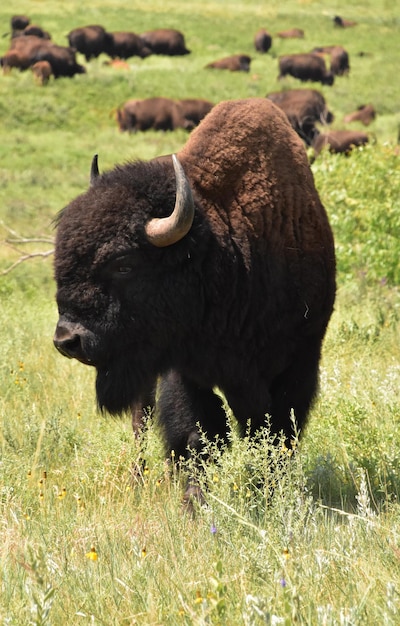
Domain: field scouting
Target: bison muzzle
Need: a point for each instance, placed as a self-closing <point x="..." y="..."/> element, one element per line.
<point x="213" y="269"/>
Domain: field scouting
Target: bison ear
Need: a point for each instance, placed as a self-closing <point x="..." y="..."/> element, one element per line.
<point x="166" y="231"/>
<point x="94" y="169"/>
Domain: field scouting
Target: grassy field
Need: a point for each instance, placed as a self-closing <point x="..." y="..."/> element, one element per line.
<point x="83" y="538"/>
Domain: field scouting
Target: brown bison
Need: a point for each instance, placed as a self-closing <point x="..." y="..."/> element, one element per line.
<point x="365" y="114"/>
<point x="292" y="33"/>
<point x="166" y="41"/>
<point x="211" y="269"/>
<point x="26" y="51"/>
<point x="340" y="64"/>
<point x="339" y="141"/>
<point x="234" y="63"/>
<point x="91" y="41"/>
<point x="262" y="40"/>
<point x="62" y="60"/>
<point x="304" y="108"/>
<point x="22" y="52"/>
<point x="151" y="113"/>
<point x="42" y="72"/>
<point x="339" y="59"/>
<point x="126" y="44"/>
<point x="305" y="67"/>
<point x="342" y="23"/>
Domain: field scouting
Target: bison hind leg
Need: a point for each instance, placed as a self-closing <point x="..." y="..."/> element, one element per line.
<point x="180" y="406"/>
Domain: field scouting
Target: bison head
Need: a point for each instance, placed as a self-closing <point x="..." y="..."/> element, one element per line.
<point x="122" y="260"/>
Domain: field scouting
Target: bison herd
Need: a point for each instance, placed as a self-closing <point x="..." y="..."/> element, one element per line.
<point x="210" y="269"/>
<point x="306" y="109"/>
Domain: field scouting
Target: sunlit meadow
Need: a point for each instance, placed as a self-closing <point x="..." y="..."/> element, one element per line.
<point x="92" y="529"/>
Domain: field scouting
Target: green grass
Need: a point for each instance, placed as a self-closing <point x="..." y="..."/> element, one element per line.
<point x="310" y="537"/>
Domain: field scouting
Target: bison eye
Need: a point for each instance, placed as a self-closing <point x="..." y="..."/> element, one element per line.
<point x="122" y="269"/>
<point x="120" y="266"/>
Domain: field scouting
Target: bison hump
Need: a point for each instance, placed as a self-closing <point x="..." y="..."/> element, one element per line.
<point x="241" y="139"/>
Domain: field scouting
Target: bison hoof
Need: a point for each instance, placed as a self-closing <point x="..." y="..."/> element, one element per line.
<point x="192" y="499"/>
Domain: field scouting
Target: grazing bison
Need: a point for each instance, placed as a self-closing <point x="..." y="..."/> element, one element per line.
<point x="365" y="114"/>
<point x="125" y="45"/>
<point x="339" y="59"/>
<point x="194" y="110"/>
<point x="234" y="63"/>
<point x="23" y="51"/>
<point x="340" y="64"/>
<point x="62" y="60"/>
<point x="305" y="67"/>
<point x="262" y="40"/>
<point x="304" y="108"/>
<point x="90" y="41"/>
<point x="292" y="33"/>
<point x="42" y="72"/>
<point x="151" y="113"/>
<point x="339" y="141"/>
<point x="215" y="268"/>
<point x="165" y="41"/>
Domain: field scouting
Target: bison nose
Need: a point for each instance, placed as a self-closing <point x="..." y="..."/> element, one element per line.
<point x="68" y="339"/>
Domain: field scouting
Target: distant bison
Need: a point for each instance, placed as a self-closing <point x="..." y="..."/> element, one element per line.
<point x="341" y="23"/>
<point x="305" y="67"/>
<point x="124" y="45"/>
<point x="339" y="141"/>
<point x="22" y="52"/>
<point x="91" y="41"/>
<point x="234" y="63"/>
<point x="213" y="269"/>
<point x="365" y="114"/>
<point x="151" y="113"/>
<point x="42" y="72"/>
<point x="166" y="41"/>
<point x="340" y="64"/>
<point x="292" y="33"/>
<point x="262" y="40"/>
<point x="62" y="60"/>
<point x="339" y="59"/>
<point x="304" y="108"/>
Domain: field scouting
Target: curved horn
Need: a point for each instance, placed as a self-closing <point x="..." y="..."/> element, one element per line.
<point x="94" y="169"/>
<point x="165" y="231"/>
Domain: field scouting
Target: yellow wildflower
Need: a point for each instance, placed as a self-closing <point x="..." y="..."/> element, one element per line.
<point x="92" y="555"/>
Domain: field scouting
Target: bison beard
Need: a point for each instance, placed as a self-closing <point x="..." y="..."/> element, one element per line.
<point x="216" y="269"/>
